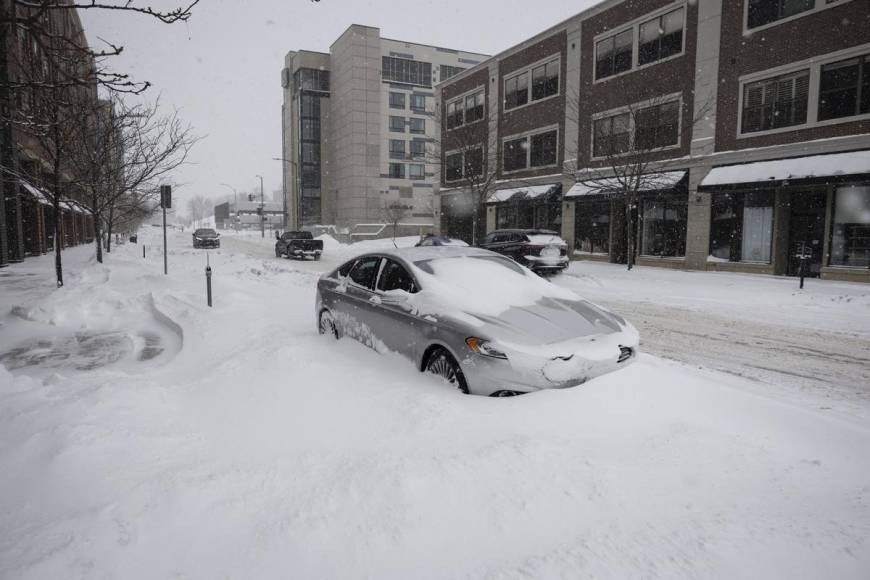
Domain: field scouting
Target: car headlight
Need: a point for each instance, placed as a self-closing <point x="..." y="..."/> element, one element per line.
<point x="485" y="348"/>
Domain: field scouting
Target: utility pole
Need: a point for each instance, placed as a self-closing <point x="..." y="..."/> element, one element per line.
<point x="165" y="201"/>
<point x="262" y="211"/>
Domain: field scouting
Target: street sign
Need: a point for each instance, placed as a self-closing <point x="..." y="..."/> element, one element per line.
<point x="166" y="196"/>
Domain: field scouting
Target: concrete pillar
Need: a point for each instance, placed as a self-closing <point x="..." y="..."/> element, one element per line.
<point x="698" y="221"/>
<point x="568" y="224"/>
<point x="706" y="78"/>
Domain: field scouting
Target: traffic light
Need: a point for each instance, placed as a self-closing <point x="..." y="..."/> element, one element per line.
<point x="250" y="197"/>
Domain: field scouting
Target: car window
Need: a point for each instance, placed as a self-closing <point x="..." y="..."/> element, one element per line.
<point x="489" y="239"/>
<point x="395" y="277"/>
<point x="364" y="271"/>
<point x="344" y="270"/>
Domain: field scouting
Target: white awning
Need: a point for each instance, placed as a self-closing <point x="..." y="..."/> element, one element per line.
<point x="795" y="168"/>
<point x="611" y="185"/>
<point x="529" y="192"/>
<point x="38" y="194"/>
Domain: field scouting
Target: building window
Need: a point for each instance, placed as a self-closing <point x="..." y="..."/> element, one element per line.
<point x="311" y="79"/>
<point x="397" y="124"/>
<point x="516" y="154"/>
<point x="741" y="226"/>
<point x="397" y="100"/>
<point x="417" y="171"/>
<point x="311" y="153"/>
<point x="761" y="12"/>
<point x="474" y="107"/>
<point x="455" y="114"/>
<point x="545" y="80"/>
<point x="448" y="71"/>
<point x="516" y="91"/>
<point x="611" y="135"/>
<point x="660" y="37"/>
<point x="657" y="126"/>
<point x="418" y="148"/>
<point x="418" y="125"/>
<point x="473" y="166"/>
<point x="844" y="89"/>
<point x="850" y="239"/>
<point x="453" y="169"/>
<point x="418" y="102"/>
<point x="613" y="55"/>
<point x="397" y="149"/>
<point x="663" y="229"/>
<point x="592" y="227"/>
<point x="506" y="217"/>
<point x="311" y="129"/>
<point x="407" y="71"/>
<point x="397" y="170"/>
<point x="543" y="149"/>
<point x="775" y="103"/>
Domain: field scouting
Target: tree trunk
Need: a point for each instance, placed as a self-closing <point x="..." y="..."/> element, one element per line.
<point x="58" y="216"/>
<point x="98" y="233"/>
<point x="109" y="229"/>
<point x="629" y="232"/>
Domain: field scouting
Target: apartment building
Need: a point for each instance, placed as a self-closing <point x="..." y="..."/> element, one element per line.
<point x="358" y="127"/>
<point x="750" y="148"/>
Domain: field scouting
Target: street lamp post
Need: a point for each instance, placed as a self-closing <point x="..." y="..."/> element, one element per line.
<point x="235" y="205"/>
<point x="298" y="224"/>
<point x="262" y="210"/>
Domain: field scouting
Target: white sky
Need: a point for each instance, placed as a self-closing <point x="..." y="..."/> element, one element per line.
<point x="222" y="68"/>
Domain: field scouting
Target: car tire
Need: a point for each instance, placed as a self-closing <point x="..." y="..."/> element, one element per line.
<point x="442" y="364"/>
<point x="326" y="324"/>
<point x="316" y="257"/>
<point x="277" y="253"/>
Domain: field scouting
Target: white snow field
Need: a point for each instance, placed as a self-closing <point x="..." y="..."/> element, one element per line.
<point x="145" y="435"/>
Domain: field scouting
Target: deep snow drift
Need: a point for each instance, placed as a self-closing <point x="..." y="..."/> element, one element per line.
<point x="251" y="447"/>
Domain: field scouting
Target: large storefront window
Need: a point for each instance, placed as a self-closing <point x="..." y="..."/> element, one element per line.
<point x="741" y="227"/>
<point x="519" y="214"/>
<point x="850" y="241"/>
<point x="592" y="227"/>
<point x="663" y="229"/>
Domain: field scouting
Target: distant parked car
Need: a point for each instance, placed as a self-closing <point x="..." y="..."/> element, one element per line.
<point x="475" y="318"/>
<point x="542" y="251"/>
<point x="433" y="240"/>
<point x="299" y="245"/>
<point x="206" y="238"/>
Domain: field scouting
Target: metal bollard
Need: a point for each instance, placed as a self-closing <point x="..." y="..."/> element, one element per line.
<point x="143" y="250"/>
<point x="208" y="283"/>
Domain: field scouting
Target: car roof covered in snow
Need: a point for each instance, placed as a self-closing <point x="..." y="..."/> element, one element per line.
<point x="417" y="253"/>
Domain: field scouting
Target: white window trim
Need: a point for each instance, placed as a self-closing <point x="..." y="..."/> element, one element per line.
<point x="814" y="65"/>
<point x="557" y="56"/>
<point x="634" y="26"/>
<point x="528" y="135"/>
<point x="461" y="153"/>
<point x="662" y="100"/>
<point x="461" y="99"/>
<point x="820" y="6"/>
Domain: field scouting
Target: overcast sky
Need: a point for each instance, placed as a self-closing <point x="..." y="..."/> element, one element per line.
<point x="222" y="68"/>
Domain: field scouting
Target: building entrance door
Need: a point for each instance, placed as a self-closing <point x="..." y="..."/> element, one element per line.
<point x="806" y="232"/>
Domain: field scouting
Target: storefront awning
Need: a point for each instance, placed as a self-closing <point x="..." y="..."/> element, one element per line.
<point x="517" y="193"/>
<point x="37" y="193"/>
<point x="611" y="186"/>
<point x="813" y="167"/>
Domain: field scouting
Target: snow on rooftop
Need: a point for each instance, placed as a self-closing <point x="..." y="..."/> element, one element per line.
<point x="794" y="168"/>
<point x="664" y="180"/>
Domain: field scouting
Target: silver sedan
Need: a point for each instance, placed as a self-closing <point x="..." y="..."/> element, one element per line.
<point x="479" y="320"/>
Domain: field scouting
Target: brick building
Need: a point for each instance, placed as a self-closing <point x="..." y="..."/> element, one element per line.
<point x="758" y="112"/>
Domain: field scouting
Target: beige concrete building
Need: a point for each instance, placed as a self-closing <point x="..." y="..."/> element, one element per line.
<point x="358" y="125"/>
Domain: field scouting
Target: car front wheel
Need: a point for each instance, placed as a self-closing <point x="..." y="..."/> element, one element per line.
<point x="443" y="365"/>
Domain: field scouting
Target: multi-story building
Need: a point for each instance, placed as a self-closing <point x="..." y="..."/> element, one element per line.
<point x="358" y="125"/>
<point x="754" y="149"/>
<point x="34" y="73"/>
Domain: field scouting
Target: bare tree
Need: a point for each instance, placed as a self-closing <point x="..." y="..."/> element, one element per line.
<point x="630" y="145"/>
<point x="393" y="212"/>
<point x="122" y="155"/>
<point x="199" y="208"/>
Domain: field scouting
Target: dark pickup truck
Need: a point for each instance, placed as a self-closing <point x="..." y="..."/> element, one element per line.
<point x="298" y="245"/>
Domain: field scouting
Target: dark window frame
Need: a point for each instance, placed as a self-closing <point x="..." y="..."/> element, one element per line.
<point x="767" y="110"/>
<point x="397" y="100"/>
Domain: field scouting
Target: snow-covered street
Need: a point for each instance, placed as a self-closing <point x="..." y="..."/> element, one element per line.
<point x="145" y="435"/>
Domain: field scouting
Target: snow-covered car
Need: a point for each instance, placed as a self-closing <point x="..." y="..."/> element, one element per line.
<point x="433" y="240"/>
<point x="478" y="319"/>
<point x="542" y="251"/>
<point x="206" y="238"/>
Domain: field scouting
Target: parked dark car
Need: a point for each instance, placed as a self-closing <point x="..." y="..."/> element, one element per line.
<point x="206" y="238"/>
<point x="433" y="240"/>
<point x="542" y="251"/>
<point x="299" y="245"/>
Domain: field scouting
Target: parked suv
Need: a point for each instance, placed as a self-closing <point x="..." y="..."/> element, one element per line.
<point x="542" y="251"/>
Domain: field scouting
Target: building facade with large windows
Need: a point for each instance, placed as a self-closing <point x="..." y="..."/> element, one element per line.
<point x="358" y="128"/>
<point x="750" y="152"/>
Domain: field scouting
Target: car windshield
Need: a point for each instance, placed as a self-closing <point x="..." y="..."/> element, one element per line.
<point x="457" y="267"/>
<point x="205" y="232"/>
